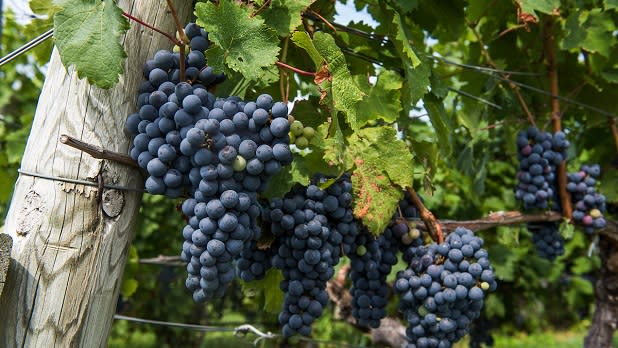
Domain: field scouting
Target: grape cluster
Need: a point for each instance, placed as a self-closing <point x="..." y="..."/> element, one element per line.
<point x="547" y="240"/>
<point x="234" y="152"/>
<point x="168" y="108"/>
<point x="218" y="151"/>
<point x="300" y="135"/>
<point x="372" y="262"/>
<point x="588" y="204"/>
<point x="539" y="155"/>
<point x="307" y="224"/>
<point x="443" y="289"/>
<point x="370" y="265"/>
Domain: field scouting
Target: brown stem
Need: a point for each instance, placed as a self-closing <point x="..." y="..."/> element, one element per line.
<point x="614" y="130"/>
<point x="552" y="72"/>
<point x="137" y="20"/>
<point x="297" y="70"/>
<point x="262" y="8"/>
<point x="97" y="151"/>
<point x="328" y="24"/>
<point x="181" y="60"/>
<point x="514" y="87"/>
<point x="181" y="30"/>
<point x="432" y="224"/>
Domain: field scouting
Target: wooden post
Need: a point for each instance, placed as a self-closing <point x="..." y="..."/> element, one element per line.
<point x="68" y="255"/>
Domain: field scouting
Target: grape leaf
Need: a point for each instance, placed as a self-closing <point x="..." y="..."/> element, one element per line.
<point x="383" y="100"/>
<point x="610" y="4"/>
<point x="282" y="182"/>
<point x="269" y="288"/>
<point x="589" y="30"/>
<point x="241" y="43"/>
<point x="417" y="70"/>
<point x="404" y="38"/>
<point x="285" y="15"/>
<point x="339" y="90"/>
<point x="441" y="123"/>
<point x="544" y="6"/>
<point x="87" y="35"/>
<point x="377" y="178"/>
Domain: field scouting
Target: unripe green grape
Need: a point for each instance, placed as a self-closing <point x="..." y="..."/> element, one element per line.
<point x="361" y="250"/>
<point x="485" y="286"/>
<point x="292" y="138"/>
<point x="297" y="128"/>
<point x="239" y="164"/>
<point x="301" y="142"/>
<point x="595" y="213"/>
<point x="308" y="132"/>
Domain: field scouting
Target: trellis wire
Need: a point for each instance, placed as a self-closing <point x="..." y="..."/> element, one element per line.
<point x="477" y="68"/>
<point x="239" y="331"/>
<point x="78" y="181"/>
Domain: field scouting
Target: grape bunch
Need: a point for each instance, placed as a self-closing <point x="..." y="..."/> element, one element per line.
<point x="372" y="262"/>
<point x="547" y="240"/>
<point x="539" y="155"/>
<point x="234" y="152"/>
<point x="300" y="135"/>
<point x="168" y="108"/>
<point x="309" y="225"/>
<point x="370" y="265"/>
<point x="220" y="152"/>
<point x="588" y="204"/>
<point x="443" y="289"/>
<point x="253" y="262"/>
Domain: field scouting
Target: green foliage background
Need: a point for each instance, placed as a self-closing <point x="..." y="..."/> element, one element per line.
<point x="457" y="151"/>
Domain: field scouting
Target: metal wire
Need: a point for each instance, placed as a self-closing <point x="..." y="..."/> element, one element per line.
<point x="195" y="327"/>
<point x="28" y="46"/>
<point x="77" y="181"/>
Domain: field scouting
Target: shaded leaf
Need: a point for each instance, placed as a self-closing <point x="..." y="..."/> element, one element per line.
<point x="590" y="30"/>
<point x="544" y="6"/>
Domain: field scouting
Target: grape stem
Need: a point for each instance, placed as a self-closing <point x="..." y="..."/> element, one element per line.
<point x="97" y="151"/>
<point x="328" y="24"/>
<point x="302" y="72"/>
<point x="181" y="31"/>
<point x="139" y="21"/>
<point x="264" y="6"/>
<point x="552" y="72"/>
<point x="432" y="224"/>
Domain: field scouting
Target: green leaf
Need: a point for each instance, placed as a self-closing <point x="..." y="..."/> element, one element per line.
<point x="610" y="4"/>
<point x="303" y="40"/>
<point x="285" y="15"/>
<point x="308" y="112"/>
<point x="405" y="39"/>
<point x="344" y="91"/>
<point x="441" y="123"/>
<point x="377" y="178"/>
<point x="406" y="6"/>
<point x="129" y="286"/>
<point x="269" y="288"/>
<point x="383" y="100"/>
<point x="241" y="43"/>
<point x="339" y="90"/>
<point x="545" y="6"/>
<point x="87" y="35"/>
<point x="282" y="182"/>
<point x="590" y="30"/>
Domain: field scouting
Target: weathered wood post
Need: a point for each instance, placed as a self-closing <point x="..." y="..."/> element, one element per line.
<point x="68" y="255"/>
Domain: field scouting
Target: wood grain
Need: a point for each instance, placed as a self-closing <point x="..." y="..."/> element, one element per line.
<point x="68" y="256"/>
